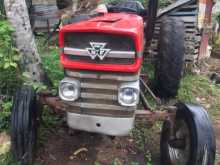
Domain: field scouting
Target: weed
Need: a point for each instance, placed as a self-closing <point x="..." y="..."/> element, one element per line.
<point x="117" y="161"/>
<point x="48" y="123"/>
<point x="7" y="159"/>
<point x="5" y="115"/>
<point x="97" y="163"/>
<point x="10" y="75"/>
<point x="51" y="62"/>
<point x="199" y="89"/>
<point x="135" y="163"/>
<point x="146" y="139"/>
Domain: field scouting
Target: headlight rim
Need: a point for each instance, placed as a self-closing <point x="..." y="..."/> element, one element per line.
<point x="130" y="85"/>
<point x="75" y="83"/>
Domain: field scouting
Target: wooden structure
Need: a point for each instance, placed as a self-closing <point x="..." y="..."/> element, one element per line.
<point x="197" y="18"/>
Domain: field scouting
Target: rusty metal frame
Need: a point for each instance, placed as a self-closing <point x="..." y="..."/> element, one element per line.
<point x="162" y="114"/>
<point x="147" y="114"/>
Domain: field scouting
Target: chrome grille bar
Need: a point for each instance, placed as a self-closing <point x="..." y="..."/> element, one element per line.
<point x="112" y="54"/>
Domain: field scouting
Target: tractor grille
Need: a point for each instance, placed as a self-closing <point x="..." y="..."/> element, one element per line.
<point x="122" y="48"/>
<point x="121" y="61"/>
<point x="99" y="93"/>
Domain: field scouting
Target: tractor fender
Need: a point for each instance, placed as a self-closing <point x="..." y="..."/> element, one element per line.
<point x="202" y="127"/>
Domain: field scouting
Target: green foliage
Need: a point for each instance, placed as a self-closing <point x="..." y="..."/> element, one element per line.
<point x="7" y="159"/>
<point x="10" y="77"/>
<point x="51" y="62"/>
<point x="217" y="17"/>
<point x="49" y="122"/>
<point x="97" y="163"/>
<point x="197" y="87"/>
<point x="5" y="114"/>
<point x="145" y="139"/>
<point x="116" y="161"/>
<point x="9" y="56"/>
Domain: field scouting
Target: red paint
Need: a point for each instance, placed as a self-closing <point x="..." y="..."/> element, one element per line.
<point x="206" y="34"/>
<point x="111" y="23"/>
<point x="204" y="46"/>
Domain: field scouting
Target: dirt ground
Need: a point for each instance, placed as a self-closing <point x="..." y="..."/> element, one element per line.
<point x="62" y="147"/>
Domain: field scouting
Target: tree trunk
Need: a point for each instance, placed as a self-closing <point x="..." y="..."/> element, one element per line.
<point x="17" y="14"/>
<point x="75" y="5"/>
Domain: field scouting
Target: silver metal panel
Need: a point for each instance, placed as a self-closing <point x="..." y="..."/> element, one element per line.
<point x="101" y="106"/>
<point x="103" y="75"/>
<point x="104" y="125"/>
<point x="111" y="54"/>
<point x="99" y="86"/>
<point x="99" y="96"/>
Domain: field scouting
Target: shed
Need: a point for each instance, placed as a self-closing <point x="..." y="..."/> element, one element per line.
<point x="196" y="15"/>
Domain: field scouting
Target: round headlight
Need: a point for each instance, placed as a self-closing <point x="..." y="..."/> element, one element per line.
<point x="69" y="91"/>
<point x="128" y="96"/>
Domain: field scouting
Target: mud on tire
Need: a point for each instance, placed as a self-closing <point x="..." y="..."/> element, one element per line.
<point x="24" y="125"/>
<point x="170" y="63"/>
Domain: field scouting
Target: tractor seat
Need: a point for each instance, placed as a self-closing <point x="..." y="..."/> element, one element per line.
<point x="129" y="6"/>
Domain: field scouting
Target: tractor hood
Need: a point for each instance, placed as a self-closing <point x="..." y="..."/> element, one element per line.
<point x="122" y="32"/>
<point x="113" y="23"/>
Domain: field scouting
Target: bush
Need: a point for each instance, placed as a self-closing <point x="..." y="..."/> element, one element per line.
<point x="10" y="75"/>
<point x="5" y="115"/>
<point x="9" y="56"/>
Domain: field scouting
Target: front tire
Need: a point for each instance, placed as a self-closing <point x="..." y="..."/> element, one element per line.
<point x="24" y="125"/>
<point x="193" y="142"/>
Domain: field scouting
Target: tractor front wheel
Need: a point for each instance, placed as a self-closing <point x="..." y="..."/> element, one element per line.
<point x="24" y="122"/>
<point x="191" y="140"/>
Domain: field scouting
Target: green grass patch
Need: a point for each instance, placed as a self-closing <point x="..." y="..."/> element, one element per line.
<point x="199" y="89"/>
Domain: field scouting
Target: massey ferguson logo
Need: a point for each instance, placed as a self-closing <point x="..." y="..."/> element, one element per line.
<point x="98" y="50"/>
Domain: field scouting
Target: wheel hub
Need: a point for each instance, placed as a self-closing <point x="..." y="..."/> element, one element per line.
<point x="179" y="148"/>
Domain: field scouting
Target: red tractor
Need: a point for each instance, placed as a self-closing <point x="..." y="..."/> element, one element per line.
<point x="102" y="56"/>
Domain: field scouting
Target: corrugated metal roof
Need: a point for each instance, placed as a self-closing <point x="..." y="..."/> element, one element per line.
<point x="173" y="6"/>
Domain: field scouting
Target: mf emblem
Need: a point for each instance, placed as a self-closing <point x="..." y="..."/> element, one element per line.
<point x="98" y="50"/>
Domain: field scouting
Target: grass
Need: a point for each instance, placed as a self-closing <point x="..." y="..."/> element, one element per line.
<point x="199" y="89"/>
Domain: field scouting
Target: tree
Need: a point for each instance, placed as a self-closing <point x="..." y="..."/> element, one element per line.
<point x="17" y="14"/>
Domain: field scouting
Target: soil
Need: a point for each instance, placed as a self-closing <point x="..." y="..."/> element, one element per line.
<point x="63" y="148"/>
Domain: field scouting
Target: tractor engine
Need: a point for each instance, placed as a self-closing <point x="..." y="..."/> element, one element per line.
<point x="102" y="59"/>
